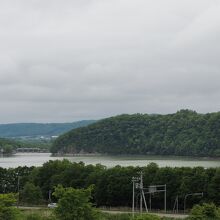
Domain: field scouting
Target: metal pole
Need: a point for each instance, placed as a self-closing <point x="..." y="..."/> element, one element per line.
<point x="177" y="204"/>
<point x="136" y="185"/>
<point x="150" y="201"/>
<point x="49" y="196"/>
<point x="137" y="201"/>
<point x="18" y="185"/>
<point x="185" y="201"/>
<point x="184" y="208"/>
<point x="141" y="188"/>
<point x="133" y="200"/>
<point x="145" y="204"/>
<point x="4" y="187"/>
<point x="165" y="198"/>
<point x="141" y="202"/>
<point x="174" y="206"/>
<point x="190" y="194"/>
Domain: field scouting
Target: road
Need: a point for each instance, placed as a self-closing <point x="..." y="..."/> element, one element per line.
<point x="177" y="216"/>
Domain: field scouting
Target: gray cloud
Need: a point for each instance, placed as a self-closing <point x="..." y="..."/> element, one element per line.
<point x="72" y="60"/>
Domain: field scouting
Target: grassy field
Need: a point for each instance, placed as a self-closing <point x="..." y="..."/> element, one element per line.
<point x="36" y="214"/>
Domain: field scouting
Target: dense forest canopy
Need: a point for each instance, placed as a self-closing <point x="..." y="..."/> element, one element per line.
<point x="113" y="186"/>
<point x="184" y="133"/>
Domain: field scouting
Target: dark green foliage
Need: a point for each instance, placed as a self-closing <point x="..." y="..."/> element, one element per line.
<point x="184" y="133"/>
<point x="214" y="187"/>
<point x="31" y="194"/>
<point x="9" y="178"/>
<point x="113" y="186"/>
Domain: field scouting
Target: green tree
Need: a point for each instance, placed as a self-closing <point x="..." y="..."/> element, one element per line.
<point x="214" y="187"/>
<point x="74" y="204"/>
<point x="8" y="148"/>
<point x="31" y="194"/>
<point x="7" y="212"/>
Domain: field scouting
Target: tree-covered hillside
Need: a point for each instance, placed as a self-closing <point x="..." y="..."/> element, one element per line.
<point x="183" y="133"/>
<point x="39" y="129"/>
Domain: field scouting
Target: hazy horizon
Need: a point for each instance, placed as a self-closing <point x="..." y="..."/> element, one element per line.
<point x="96" y="119"/>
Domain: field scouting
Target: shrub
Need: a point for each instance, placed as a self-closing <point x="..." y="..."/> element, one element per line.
<point x="204" y="212"/>
<point x="74" y="204"/>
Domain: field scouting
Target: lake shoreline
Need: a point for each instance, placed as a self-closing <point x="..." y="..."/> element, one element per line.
<point x="38" y="159"/>
<point x="138" y="156"/>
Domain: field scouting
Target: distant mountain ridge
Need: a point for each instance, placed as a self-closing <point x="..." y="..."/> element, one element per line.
<point x="39" y="129"/>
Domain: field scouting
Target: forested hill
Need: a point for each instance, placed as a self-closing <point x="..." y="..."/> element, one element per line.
<point x="39" y="129"/>
<point x="183" y="133"/>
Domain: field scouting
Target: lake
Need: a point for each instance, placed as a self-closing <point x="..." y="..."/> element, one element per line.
<point x="37" y="159"/>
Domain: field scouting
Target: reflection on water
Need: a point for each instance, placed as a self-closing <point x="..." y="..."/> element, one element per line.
<point x="37" y="159"/>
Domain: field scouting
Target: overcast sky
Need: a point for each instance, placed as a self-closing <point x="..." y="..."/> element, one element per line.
<point x="63" y="61"/>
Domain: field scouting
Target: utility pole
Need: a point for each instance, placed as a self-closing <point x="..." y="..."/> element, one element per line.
<point x="138" y="184"/>
<point x="4" y="188"/>
<point x="165" y="198"/>
<point x="141" y="189"/>
<point x="176" y="205"/>
<point x="145" y="204"/>
<point x="190" y="194"/>
<point x="133" y="200"/>
<point x="134" y="182"/>
<point x="49" y="196"/>
<point x="18" y="188"/>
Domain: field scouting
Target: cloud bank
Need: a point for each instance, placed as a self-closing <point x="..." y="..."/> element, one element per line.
<point x="66" y="61"/>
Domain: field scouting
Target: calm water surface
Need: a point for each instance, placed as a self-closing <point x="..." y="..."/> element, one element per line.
<point x="37" y="159"/>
